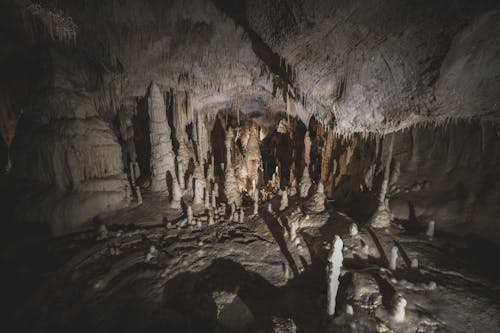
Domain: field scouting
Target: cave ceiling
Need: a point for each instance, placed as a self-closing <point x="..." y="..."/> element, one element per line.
<point x="357" y="66"/>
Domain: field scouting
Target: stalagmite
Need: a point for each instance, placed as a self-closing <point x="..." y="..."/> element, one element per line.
<point x="211" y="218"/>
<point x="383" y="217"/>
<point x="152" y="253"/>
<point x="305" y="183"/>
<point x="132" y="174"/>
<point x="233" y="209"/>
<point x="137" y="170"/>
<point x="398" y="311"/>
<point x="253" y="157"/>
<point x="207" y="199"/>
<point x="231" y="186"/>
<point x="176" y="194"/>
<point x="214" y="200"/>
<point x="189" y="214"/>
<point x="430" y="230"/>
<point x="180" y="173"/>
<point x="334" y="264"/>
<point x="139" y="195"/>
<point x="353" y="229"/>
<point x="393" y="261"/>
<point x="198" y="192"/>
<point x="255" y="202"/>
<point x="269" y="208"/>
<point x="414" y="263"/>
<point x="211" y="171"/>
<point x="162" y="156"/>
<point x="242" y="216"/>
<point x="307" y="149"/>
<point x="317" y="202"/>
<point x="102" y="232"/>
<point x="189" y="186"/>
<point x="284" y="200"/>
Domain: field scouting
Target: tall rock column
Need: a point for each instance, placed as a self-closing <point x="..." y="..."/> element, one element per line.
<point x="231" y="187"/>
<point x="162" y="155"/>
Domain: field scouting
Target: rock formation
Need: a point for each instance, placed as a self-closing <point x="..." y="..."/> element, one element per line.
<point x="305" y="183"/>
<point x="284" y="200"/>
<point x="162" y="156"/>
<point x="231" y="186"/>
<point x="382" y="217"/>
<point x="317" y="202"/>
<point x="335" y="259"/>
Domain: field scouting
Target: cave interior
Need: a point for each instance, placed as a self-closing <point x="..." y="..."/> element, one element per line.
<point x="250" y="165"/>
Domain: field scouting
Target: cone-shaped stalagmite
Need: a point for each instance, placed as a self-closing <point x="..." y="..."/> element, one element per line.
<point x="317" y="202"/>
<point x="231" y="186"/>
<point x="305" y="183"/>
<point x="252" y="156"/>
<point x="162" y="156"/>
<point x="176" y="195"/>
<point x="382" y="217"/>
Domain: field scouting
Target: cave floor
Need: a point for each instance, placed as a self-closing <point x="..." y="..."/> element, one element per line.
<point x="242" y="277"/>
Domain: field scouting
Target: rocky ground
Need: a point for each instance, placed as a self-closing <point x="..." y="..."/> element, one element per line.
<point x="147" y="270"/>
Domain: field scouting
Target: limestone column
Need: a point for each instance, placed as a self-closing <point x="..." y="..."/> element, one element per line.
<point x="162" y="156"/>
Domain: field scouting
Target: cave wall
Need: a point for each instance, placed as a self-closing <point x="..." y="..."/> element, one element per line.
<point x="451" y="174"/>
<point x="64" y="146"/>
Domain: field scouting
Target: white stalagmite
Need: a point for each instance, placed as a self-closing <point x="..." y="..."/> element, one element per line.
<point x="307" y="149"/>
<point x="253" y="157"/>
<point x="211" y="218"/>
<point x="414" y="263"/>
<point x="334" y="264"/>
<point x="399" y="311"/>
<point x="305" y="183"/>
<point x="189" y="214"/>
<point x="353" y="229"/>
<point x="269" y="208"/>
<point x="383" y="217"/>
<point x="162" y="156"/>
<point x="233" y="209"/>
<point x="242" y="215"/>
<point x="189" y="186"/>
<point x="393" y="261"/>
<point x="256" y="202"/>
<point x="276" y="181"/>
<point x="211" y="171"/>
<point x="176" y="194"/>
<point x="180" y="172"/>
<point x="198" y="192"/>
<point x="207" y="199"/>
<point x="430" y="230"/>
<point x="139" y="195"/>
<point x="284" y="200"/>
<point x="137" y="170"/>
<point x="231" y="186"/>
<point x="317" y="202"/>
<point x="214" y="199"/>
